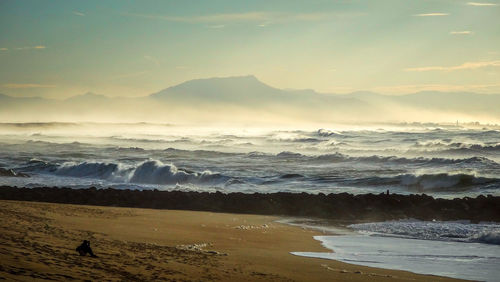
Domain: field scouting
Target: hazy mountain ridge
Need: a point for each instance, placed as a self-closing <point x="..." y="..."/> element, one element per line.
<point x="89" y="96"/>
<point x="248" y="91"/>
<point x="247" y="98"/>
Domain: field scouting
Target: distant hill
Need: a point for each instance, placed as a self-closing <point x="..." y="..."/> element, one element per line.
<point x="246" y="91"/>
<point x="88" y="97"/>
<point x="220" y="90"/>
<point x="245" y="98"/>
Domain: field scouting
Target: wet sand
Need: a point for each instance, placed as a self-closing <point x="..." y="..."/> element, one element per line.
<point x="38" y="241"/>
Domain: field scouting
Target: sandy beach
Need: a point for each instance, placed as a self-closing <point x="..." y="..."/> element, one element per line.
<point x="38" y="241"/>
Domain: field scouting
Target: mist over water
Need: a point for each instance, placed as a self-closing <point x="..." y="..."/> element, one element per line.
<point x="441" y="161"/>
<point x="205" y="98"/>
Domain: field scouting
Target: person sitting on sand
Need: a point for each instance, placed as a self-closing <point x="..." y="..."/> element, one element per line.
<point x="85" y="249"/>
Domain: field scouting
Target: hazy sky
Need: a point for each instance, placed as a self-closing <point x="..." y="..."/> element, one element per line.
<point x="65" y="48"/>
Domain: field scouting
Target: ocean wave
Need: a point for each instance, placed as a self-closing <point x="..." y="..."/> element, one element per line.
<point x="257" y="154"/>
<point x="447" y="145"/>
<point x="475" y="149"/>
<point x="39" y="142"/>
<point x="86" y="169"/>
<point x="327" y="133"/>
<point x="339" y="157"/>
<point x="155" y="172"/>
<point x="459" y="231"/>
<point x="37" y="165"/>
<point x="423" y="160"/>
<point x="139" y="140"/>
<point x="47" y="143"/>
<point x="147" y="172"/>
<point x="294" y="139"/>
<point x="444" y="181"/>
<point x="291" y="175"/>
<point x="487" y="238"/>
<point x="439" y="182"/>
<point x="290" y="155"/>
<point x="198" y="153"/>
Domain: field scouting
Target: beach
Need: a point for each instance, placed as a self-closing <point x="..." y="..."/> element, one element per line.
<point x="237" y="140"/>
<point x="38" y="241"/>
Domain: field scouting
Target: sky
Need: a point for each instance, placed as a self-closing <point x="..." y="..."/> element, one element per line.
<point x="58" y="49"/>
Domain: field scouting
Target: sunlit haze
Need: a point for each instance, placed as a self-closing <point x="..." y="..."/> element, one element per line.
<point x="60" y="49"/>
<point x="238" y="140"/>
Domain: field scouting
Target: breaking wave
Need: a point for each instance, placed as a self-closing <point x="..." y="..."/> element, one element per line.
<point x="327" y="133"/>
<point x="486" y="233"/>
<point x="444" y="181"/>
<point x="137" y="171"/>
<point x="488" y="238"/>
<point x="148" y="172"/>
<point x="432" y="182"/>
<point x="458" y="147"/>
<point x="85" y="169"/>
<point x="155" y="172"/>
<point x="339" y="157"/>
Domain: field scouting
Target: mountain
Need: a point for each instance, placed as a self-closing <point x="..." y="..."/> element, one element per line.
<point x="88" y="97"/>
<point x="6" y="98"/>
<point x="245" y="91"/>
<point x="228" y="89"/>
<point x="245" y="98"/>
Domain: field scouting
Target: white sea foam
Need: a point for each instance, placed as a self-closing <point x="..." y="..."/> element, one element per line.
<point x="457" y="249"/>
<point x="313" y="161"/>
<point x="472" y="261"/>
<point x="148" y="172"/>
<point x="444" y="181"/>
<point x="155" y="172"/>
<point x="458" y="231"/>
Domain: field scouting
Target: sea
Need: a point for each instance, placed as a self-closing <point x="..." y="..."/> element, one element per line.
<point x="444" y="161"/>
<point x="455" y="249"/>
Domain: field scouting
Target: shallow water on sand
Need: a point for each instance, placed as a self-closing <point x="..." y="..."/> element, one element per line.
<point x="453" y="249"/>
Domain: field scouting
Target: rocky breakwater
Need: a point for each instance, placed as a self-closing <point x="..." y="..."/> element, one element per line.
<point x="344" y="206"/>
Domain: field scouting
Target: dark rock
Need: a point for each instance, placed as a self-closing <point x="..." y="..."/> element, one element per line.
<point x="344" y="206"/>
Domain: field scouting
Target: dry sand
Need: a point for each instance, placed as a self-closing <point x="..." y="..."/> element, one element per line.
<point x="38" y="241"/>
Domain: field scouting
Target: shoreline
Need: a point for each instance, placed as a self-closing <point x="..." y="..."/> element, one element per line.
<point x="38" y="241"/>
<point x="338" y="207"/>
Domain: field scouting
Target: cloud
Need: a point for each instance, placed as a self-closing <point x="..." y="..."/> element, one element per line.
<point x="27" y="85"/>
<point x="78" y="13"/>
<point x="464" y="66"/>
<point x="432" y="15"/>
<point x="481" y="4"/>
<point x="4" y="49"/>
<point x="38" y="47"/>
<point x="463" y="32"/>
<point x="261" y="17"/>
